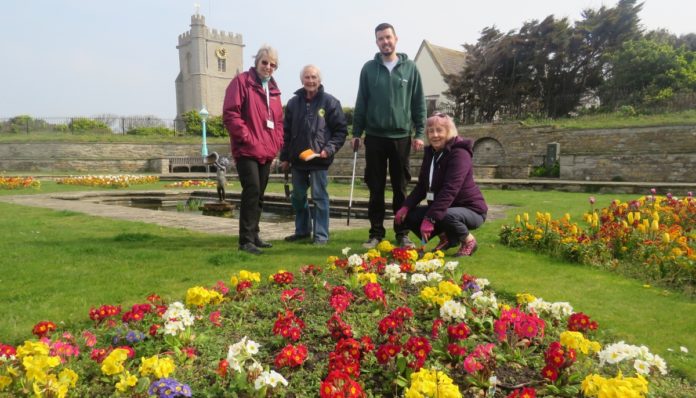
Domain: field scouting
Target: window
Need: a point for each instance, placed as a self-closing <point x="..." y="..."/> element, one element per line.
<point x="222" y="65"/>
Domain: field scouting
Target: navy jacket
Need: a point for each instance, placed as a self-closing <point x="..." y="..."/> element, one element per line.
<point x="319" y="124"/>
<point x="453" y="181"/>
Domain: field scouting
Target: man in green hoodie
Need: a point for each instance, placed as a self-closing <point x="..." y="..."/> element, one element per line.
<point x="389" y="108"/>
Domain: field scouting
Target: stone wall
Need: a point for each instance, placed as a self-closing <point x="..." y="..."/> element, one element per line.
<point x="95" y="158"/>
<point x="649" y="154"/>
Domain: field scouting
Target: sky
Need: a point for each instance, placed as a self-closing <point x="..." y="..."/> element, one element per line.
<point x="62" y="58"/>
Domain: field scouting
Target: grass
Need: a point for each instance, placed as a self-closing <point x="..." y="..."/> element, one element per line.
<point x="56" y="265"/>
<point x="615" y="120"/>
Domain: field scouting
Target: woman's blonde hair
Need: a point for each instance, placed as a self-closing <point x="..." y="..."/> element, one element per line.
<point x="439" y="118"/>
<point x="267" y="51"/>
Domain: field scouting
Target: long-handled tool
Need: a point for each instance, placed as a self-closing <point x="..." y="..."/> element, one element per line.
<point x="352" y="180"/>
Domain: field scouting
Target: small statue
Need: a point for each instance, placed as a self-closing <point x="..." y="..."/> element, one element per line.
<point x="221" y="165"/>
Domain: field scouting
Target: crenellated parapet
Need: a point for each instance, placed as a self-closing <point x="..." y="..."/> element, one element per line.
<point x="213" y="35"/>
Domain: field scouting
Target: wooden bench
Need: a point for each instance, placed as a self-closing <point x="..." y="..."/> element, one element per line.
<point x="187" y="164"/>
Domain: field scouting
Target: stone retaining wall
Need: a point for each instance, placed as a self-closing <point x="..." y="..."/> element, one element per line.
<point x="509" y="151"/>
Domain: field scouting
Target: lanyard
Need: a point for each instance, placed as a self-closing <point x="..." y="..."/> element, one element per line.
<point x="268" y="100"/>
<point x="432" y="167"/>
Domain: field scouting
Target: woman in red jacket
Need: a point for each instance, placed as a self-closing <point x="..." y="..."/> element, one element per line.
<point x="253" y="115"/>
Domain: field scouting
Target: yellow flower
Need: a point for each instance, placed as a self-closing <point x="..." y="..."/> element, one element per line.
<point x="655" y="226"/>
<point x="249" y="276"/>
<point x="578" y="342"/>
<point x="32" y="348"/>
<point x="68" y="377"/>
<point x="159" y="367"/>
<point x="385" y="246"/>
<point x="524" y="298"/>
<point x="113" y="363"/>
<point x="126" y="381"/>
<point x="5" y="381"/>
<point x="365" y="278"/>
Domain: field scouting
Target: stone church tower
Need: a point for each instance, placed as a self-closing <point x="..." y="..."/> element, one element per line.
<point x="208" y="60"/>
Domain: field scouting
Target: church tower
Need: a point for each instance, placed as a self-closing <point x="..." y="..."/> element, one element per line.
<point x="208" y="60"/>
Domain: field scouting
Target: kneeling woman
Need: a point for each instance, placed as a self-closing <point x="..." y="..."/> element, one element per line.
<point x="454" y="203"/>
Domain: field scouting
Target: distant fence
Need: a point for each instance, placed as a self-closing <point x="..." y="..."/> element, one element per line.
<point x="113" y="125"/>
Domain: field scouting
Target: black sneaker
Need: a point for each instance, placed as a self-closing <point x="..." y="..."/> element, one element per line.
<point x="295" y="237"/>
<point x="262" y="243"/>
<point x="250" y="248"/>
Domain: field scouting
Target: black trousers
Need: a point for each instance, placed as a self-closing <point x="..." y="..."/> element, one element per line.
<point x="382" y="154"/>
<point x="456" y="225"/>
<point x="254" y="178"/>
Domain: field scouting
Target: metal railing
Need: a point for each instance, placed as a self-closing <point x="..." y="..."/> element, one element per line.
<point x="98" y="124"/>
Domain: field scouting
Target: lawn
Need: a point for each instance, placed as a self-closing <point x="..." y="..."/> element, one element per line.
<point x="57" y="265"/>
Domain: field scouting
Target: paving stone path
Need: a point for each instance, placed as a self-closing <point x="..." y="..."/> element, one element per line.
<point x="87" y="203"/>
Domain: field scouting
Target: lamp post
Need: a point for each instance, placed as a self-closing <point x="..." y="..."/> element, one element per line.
<point x="204" y="117"/>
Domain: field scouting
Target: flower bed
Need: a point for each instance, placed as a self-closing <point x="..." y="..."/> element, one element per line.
<point x="192" y="184"/>
<point x="108" y="181"/>
<point x="19" y="182"/>
<point x="652" y="238"/>
<point x="382" y="323"/>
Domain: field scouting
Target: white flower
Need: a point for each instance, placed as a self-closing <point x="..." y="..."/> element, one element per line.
<point x="418" y="278"/>
<point x="451" y="265"/>
<point x="254" y="368"/>
<point x="482" y="282"/>
<point x="435" y="263"/>
<point x="452" y="310"/>
<point x="252" y="347"/>
<point x="481" y="301"/>
<point x="355" y="260"/>
<point x="434" y="276"/>
<point x="239" y="352"/>
<point x="642" y="367"/>
<point x="176" y="318"/>
<point x="684" y="349"/>
<point x="345" y="251"/>
<point x="269" y="378"/>
<point x="393" y="273"/>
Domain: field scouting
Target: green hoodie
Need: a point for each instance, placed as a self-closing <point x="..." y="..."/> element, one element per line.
<point x="392" y="104"/>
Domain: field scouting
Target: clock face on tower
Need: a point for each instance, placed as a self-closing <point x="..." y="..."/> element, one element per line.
<point x="221" y="52"/>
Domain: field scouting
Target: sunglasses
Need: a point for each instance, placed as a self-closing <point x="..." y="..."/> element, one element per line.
<point x="440" y="114"/>
<point x="266" y="63"/>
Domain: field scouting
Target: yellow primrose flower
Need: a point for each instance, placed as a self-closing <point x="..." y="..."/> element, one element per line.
<point x="524" y="298"/>
<point x="32" y="348"/>
<point x="578" y="342"/>
<point x="68" y="377"/>
<point x="373" y="253"/>
<point x="156" y="366"/>
<point x="365" y="278"/>
<point x="5" y="381"/>
<point x="249" y="276"/>
<point x="126" y="381"/>
<point x="385" y="246"/>
<point x="113" y="363"/>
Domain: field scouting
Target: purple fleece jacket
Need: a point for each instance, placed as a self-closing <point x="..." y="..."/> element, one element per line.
<point x="453" y="180"/>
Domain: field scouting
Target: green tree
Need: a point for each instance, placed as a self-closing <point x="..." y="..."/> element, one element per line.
<point x="647" y="71"/>
<point x="214" y="126"/>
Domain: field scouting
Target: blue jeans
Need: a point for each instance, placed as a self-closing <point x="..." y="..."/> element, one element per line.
<point x="317" y="218"/>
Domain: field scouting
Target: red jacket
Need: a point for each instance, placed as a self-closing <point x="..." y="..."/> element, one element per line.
<point x="246" y="114"/>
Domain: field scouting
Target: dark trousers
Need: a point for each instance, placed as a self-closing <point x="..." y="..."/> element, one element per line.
<point x="254" y="177"/>
<point x="382" y="154"/>
<point x="456" y="225"/>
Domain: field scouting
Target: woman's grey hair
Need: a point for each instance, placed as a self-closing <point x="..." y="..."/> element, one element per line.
<point x="269" y="52"/>
<point x="310" y="66"/>
<point x="439" y="118"/>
